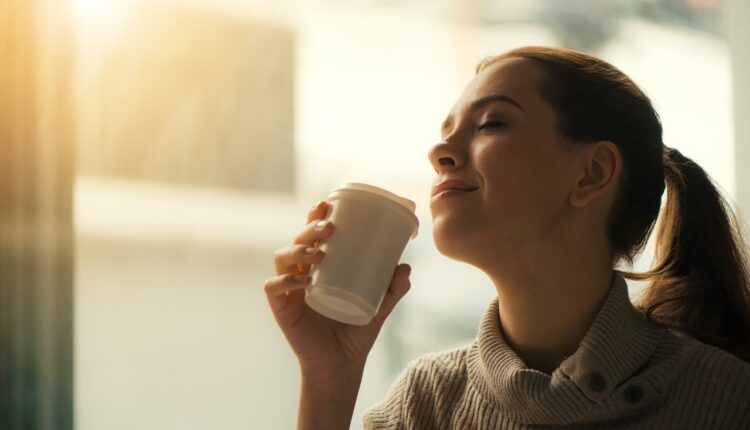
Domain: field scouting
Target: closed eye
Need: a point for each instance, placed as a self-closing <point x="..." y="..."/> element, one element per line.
<point x="491" y="124"/>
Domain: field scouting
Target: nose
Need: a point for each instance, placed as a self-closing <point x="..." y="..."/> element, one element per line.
<point x="443" y="156"/>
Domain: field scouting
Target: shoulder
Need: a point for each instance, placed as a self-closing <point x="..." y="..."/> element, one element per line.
<point x="437" y="377"/>
<point x="711" y="365"/>
<point x="430" y="379"/>
<point x="442" y="365"/>
<point x="706" y="363"/>
<point x="714" y="381"/>
<point x="432" y="373"/>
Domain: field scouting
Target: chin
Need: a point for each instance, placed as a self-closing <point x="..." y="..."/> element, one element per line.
<point x="454" y="242"/>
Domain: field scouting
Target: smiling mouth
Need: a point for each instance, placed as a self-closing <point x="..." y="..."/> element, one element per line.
<point x="448" y="193"/>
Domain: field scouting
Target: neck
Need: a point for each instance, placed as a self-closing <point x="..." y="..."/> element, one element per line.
<point x="548" y="302"/>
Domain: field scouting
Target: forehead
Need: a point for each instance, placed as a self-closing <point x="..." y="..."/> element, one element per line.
<point x="513" y="77"/>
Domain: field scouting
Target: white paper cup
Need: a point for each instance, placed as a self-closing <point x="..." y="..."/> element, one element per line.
<point x="371" y="229"/>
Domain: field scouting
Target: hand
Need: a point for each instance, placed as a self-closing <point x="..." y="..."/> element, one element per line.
<point x="322" y="345"/>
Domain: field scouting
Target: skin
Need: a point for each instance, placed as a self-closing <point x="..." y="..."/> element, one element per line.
<point x="535" y="226"/>
<point x="331" y="354"/>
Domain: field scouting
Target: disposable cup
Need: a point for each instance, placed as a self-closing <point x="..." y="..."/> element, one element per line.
<point x="371" y="229"/>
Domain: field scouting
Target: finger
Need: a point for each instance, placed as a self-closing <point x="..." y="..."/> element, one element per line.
<point x="316" y="230"/>
<point x="400" y="285"/>
<point x="318" y="211"/>
<point x="278" y="287"/>
<point x="288" y="258"/>
<point x="313" y="232"/>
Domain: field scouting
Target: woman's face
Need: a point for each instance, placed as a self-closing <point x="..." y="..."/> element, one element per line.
<point x="500" y="137"/>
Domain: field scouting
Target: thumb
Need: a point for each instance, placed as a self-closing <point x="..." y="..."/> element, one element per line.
<point x="400" y="285"/>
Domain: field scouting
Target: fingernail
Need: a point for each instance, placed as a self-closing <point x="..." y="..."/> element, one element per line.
<point x="312" y="251"/>
<point x="302" y="278"/>
<point x="321" y="225"/>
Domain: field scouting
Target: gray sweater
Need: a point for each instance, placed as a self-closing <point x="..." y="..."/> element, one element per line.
<point x="626" y="373"/>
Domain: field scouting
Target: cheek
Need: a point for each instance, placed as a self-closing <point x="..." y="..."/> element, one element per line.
<point x="506" y="179"/>
<point x="521" y="188"/>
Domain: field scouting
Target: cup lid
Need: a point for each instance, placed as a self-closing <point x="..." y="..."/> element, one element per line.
<point x="408" y="204"/>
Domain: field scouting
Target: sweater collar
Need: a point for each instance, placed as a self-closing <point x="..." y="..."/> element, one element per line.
<point x="618" y="342"/>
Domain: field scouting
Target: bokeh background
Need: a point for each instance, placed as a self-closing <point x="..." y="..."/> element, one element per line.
<point x="205" y="129"/>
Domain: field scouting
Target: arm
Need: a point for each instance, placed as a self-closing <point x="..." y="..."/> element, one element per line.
<point x="331" y="354"/>
<point x="327" y="401"/>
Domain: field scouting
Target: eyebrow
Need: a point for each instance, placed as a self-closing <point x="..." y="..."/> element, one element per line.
<point x="484" y="101"/>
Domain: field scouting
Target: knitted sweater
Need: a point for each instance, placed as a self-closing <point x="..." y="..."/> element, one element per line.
<point x="626" y="373"/>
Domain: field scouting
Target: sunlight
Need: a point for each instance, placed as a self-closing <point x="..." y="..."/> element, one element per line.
<point x="99" y="17"/>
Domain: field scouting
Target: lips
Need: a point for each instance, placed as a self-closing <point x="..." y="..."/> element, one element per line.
<point x="452" y="184"/>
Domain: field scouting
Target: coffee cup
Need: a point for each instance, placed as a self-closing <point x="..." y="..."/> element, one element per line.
<point x="372" y="228"/>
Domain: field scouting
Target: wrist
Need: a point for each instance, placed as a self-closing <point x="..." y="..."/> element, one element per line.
<point x="348" y="368"/>
<point x="327" y="400"/>
<point x="332" y="378"/>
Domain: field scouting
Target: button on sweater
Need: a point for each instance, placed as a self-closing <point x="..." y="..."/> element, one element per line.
<point x="626" y="373"/>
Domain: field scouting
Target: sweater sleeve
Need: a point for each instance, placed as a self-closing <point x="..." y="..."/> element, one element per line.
<point x="423" y="395"/>
<point x="387" y="414"/>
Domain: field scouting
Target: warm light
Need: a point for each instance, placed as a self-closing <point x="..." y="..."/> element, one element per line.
<point x="99" y="16"/>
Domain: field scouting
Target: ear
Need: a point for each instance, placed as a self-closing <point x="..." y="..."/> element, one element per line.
<point x="598" y="173"/>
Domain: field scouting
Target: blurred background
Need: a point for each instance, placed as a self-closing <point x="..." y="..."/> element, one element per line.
<point x="205" y="129"/>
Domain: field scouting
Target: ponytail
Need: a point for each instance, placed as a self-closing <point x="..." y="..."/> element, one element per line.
<point x="699" y="282"/>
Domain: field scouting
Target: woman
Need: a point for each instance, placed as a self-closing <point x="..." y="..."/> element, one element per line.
<point x="564" y="161"/>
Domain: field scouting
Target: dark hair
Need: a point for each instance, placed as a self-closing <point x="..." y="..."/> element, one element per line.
<point x="699" y="282"/>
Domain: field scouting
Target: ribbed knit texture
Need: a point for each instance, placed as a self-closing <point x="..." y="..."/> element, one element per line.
<point x="626" y="373"/>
